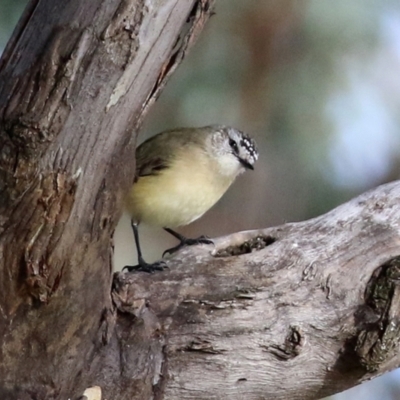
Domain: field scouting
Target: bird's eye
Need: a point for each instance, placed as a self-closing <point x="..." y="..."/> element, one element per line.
<point x="234" y="145"/>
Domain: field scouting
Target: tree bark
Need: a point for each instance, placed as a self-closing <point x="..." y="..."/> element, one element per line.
<point x="76" y="80"/>
<point x="299" y="311"/>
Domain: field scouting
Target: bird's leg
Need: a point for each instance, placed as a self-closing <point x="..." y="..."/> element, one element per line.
<point x="184" y="241"/>
<point x="143" y="265"/>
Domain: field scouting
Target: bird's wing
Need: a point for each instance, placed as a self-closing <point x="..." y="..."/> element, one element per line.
<point x="150" y="160"/>
<point x="151" y="166"/>
<point x="153" y="157"/>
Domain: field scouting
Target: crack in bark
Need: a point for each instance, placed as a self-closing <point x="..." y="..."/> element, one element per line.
<point x="254" y="244"/>
<point x="379" y="340"/>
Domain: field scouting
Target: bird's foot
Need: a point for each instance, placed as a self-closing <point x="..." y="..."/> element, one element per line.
<point x="144" y="267"/>
<point x="188" y="242"/>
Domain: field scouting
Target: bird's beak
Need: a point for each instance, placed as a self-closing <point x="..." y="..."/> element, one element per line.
<point x="246" y="164"/>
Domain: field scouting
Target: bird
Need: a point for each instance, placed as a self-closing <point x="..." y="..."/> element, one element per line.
<point x="182" y="173"/>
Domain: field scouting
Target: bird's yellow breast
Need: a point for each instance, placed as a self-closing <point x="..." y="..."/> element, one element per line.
<point x="178" y="194"/>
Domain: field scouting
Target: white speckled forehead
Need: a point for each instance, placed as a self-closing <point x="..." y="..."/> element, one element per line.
<point x="245" y="141"/>
<point x="250" y="145"/>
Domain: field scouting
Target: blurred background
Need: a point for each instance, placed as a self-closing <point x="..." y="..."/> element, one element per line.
<point x="316" y="83"/>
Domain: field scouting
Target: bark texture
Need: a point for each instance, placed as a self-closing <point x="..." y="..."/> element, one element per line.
<point x="76" y="79"/>
<point x="299" y="311"/>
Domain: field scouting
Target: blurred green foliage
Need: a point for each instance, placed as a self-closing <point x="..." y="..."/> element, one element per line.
<point x="275" y="68"/>
<point x="10" y="11"/>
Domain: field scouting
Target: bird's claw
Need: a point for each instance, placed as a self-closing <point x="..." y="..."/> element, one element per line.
<point x="144" y="267"/>
<point x="188" y="242"/>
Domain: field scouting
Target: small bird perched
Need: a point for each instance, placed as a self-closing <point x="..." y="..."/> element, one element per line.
<point x="182" y="173"/>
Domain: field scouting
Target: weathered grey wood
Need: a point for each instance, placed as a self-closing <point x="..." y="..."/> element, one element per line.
<point x="76" y="80"/>
<point x="313" y="310"/>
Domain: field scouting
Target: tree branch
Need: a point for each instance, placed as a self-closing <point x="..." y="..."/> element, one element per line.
<point x="299" y="311"/>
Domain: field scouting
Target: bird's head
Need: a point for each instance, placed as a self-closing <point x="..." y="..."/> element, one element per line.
<point x="235" y="151"/>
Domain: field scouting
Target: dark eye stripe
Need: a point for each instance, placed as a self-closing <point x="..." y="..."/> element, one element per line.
<point x="234" y="145"/>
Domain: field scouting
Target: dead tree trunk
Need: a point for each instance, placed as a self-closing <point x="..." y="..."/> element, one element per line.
<point x="75" y="82"/>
